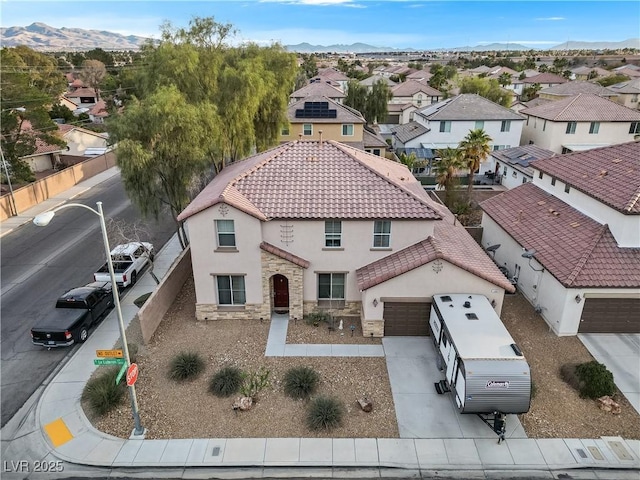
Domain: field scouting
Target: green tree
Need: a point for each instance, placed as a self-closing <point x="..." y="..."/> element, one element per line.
<point x="162" y="148"/>
<point x="31" y="82"/>
<point x="505" y="79"/>
<point x="447" y="169"/>
<point x="530" y="92"/>
<point x="475" y="149"/>
<point x="61" y="111"/>
<point x="612" y="80"/>
<point x="488" y="88"/>
<point x="92" y="74"/>
<point x="356" y="96"/>
<point x="309" y="65"/>
<point x="378" y="99"/>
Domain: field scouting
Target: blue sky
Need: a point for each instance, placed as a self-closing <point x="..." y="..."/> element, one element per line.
<point x="420" y="24"/>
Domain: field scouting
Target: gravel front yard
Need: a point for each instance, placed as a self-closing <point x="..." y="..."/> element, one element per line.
<point x="187" y="410"/>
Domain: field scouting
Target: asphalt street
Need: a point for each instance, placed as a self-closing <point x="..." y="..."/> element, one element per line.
<point x="38" y="265"/>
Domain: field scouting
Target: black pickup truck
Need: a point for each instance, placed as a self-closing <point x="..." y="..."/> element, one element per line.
<point x="76" y="312"/>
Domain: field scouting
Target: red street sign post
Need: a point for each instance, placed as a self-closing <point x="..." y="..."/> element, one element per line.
<point x="132" y="374"/>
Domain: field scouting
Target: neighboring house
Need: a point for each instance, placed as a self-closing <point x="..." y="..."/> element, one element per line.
<point x="588" y="73"/>
<point x="67" y="103"/>
<point x="627" y="93"/>
<point x="316" y="118"/>
<point x="98" y="112"/>
<point x="422" y="76"/>
<point x="79" y="139"/>
<point x="446" y="123"/>
<point x="512" y="167"/>
<point x="579" y="123"/>
<point x="373" y="142"/>
<point x="632" y="71"/>
<point x="578" y="226"/>
<point x="332" y="76"/>
<point x="318" y="89"/>
<point x="370" y="81"/>
<point x="544" y="80"/>
<point x="570" y="89"/>
<point x="417" y="93"/>
<point x="46" y="156"/>
<point x="399" y="113"/>
<point x="82" y="97"/>
<point x="318" y="225"/>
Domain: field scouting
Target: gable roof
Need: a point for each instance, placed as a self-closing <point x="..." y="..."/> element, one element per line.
<point x="584" y="107"/>
<point x="317" y="180"/>
<point x="409" y="131"/>
<point x="372" y="140"/>
<point x="468" y="106"/>
<point x="411" y="87"/>
<point x="343" y="114"/>
<point x="449" y="242"/>
<point x="318" y="88"/>
<point x="630" y="86"/>
<point x="279" y="252"/>
<point x="332" y="74"/>
<point x="611" y="175"/>
<point x="575" y="249"/>
<point x="66" y="128"/>
<point x="81" y="92"/>
<point x="522" y="156"/>
<point x="369" y="81"/>
<point x="545" y="78"/>
<point x="576" y="87"/>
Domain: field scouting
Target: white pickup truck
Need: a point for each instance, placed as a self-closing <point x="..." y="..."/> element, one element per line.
<point x="128" y="261"/>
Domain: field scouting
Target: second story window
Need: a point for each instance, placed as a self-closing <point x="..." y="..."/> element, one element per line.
<point x="347" y="130"/>
<point x="285" y="131"/>
<point x="505" y="126"/>
<point x="479" y="125"/>
<point x="594" y="128"/>
<point x="445" y="126"/>
<point x="333" y="233"/>
<point x="382" y="234"/>
<point x="226" y="233"/>
<point x="307" y="129"/>
<point x="635" y="127"/>
<point x="571" y="128"/>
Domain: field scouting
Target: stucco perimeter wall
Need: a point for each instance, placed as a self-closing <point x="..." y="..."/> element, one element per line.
<point x="153" y="310"/>
<point x="37" y="192"/>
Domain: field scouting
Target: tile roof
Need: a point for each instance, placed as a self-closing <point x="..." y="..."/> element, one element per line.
<point x="369" y="81"/>
<point x="279" y="252"/>
<point x="420" y="75"/>
<point x="609" y="174"/>
<point x="409" y="131"/>
<point x="372" y="140"/>
<point x="411" y="87"/>
<point x="318" y="88"/>
<point x="99" y="109"/>
<point x="543" y="78"/>
<point x="630" y="86"/>
<point x="584" y="107"/>
<point x="344" y="114"/>
<point x="576" y="87"/>
<point x="317" y="180"/>
<point x="449" y="242"/>
<point x="578" y="251"/>
<point x="522" y="156"/>
<point x="468" y="106"/>
<point x="332" y="74"/>
<point x="398" y="107"/>
<point x="81" y="92"/>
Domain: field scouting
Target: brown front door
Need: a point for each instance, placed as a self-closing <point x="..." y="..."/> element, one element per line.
<point x="281" y="292"/>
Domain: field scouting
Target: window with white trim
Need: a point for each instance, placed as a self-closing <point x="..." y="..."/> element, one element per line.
<point x="635" y="127"/>
<point x="382" y="234"/>
<point x="445" y="126"/>
<point x="505" y="126"/>
<point x="479" y="125"/>
<point x="225" y="231"/>
<point x="331" y="286"/>
<point x="594" y="128"/>
<point x="307" y="129"/>
<point x="571" y="128"/>
<point x="333" y="233"/>
<point x="285" y="131"/>
<point x="347" y="130"/>
<point x="231" y="290"/>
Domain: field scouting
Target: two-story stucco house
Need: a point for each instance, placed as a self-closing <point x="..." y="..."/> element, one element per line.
<point x="579" y="123"/>
<point x="627" y="93"/>
<point x="446" y="123"/>
<point x="415" y="93"/>
<point x="316" y="89"/>
<point x="320" y="225"/>
<point x="572" y="239"/>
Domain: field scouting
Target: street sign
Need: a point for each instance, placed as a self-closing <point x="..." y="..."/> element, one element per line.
<point x="108" y="361"/>
<point x="109" y="353"/>
<point x="132" y="374"/>
<point x="121" y="373"/>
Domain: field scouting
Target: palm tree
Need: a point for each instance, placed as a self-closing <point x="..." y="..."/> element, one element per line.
<point x="447" y="168"/>
<point x="504" y="79"/>
<point x="475" y="149"/>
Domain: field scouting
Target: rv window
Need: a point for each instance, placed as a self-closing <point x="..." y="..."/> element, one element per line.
<point x="445" y="340"/>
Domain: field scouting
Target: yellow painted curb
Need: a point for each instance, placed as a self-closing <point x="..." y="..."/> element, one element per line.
<point x="58" y="432"/>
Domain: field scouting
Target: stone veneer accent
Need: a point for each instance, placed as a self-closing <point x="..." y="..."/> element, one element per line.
<point x="373" y="326"/>
<point x="273" y="265"/>
<point x="207" y="311"/>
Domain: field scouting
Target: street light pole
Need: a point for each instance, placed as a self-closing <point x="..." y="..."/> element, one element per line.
<point x="43" y="220"/>
<point x="12" y="201"/>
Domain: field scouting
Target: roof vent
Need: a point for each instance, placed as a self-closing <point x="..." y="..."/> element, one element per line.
<point x="471" y="316"/>
<point x="467" y="304"/>
<point x="445" y="298"/>
<point x="603" y="173"/>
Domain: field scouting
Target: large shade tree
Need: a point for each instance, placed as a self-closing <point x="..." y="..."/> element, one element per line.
<point x="488" y="88"/>
<point x="475" y="149"/>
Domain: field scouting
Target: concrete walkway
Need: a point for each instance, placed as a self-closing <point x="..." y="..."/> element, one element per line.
<point x="53" y="428"/>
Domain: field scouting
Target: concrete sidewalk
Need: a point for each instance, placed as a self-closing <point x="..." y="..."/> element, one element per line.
<point x="56" y="430"/>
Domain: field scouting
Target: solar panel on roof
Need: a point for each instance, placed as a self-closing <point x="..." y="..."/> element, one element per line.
<point x="316" y="110"/>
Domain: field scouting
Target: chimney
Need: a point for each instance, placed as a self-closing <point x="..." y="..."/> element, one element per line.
<point x="320" y="133"/>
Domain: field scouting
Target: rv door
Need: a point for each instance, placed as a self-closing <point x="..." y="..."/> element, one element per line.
<point x="460" y="383"/>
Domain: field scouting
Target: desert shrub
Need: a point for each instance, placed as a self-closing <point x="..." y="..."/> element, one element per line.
<point x="317" y="317"/>
<point x="185" y="365"/>
<point x="569" y="375"/>
<point x="595" y="380"/>
<point x="101" y="392"/>
<point x="226" y="382"/>
<point x="254" y="382"/>
<point x="300" y="382"/>
<point x="534" y="389"/>
<point x="324" y="413"/>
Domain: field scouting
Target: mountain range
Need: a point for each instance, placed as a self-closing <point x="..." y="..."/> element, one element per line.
<point x="40" y="36"/>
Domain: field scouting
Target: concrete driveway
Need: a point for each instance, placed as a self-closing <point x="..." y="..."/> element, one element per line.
<point x="420" y="411"/>
<point x="620" y="353"/>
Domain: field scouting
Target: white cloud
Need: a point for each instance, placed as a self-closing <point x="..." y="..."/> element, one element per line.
<point x="550" y="19"/>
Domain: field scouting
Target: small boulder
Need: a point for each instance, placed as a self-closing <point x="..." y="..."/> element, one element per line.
<point x="607" y="404"/>
<point x="243" y="403"/>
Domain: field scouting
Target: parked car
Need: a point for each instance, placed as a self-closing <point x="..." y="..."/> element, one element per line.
<point x="128" y="261"/>
<point x="76" y="311"/>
